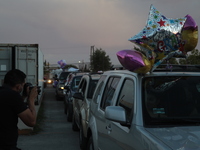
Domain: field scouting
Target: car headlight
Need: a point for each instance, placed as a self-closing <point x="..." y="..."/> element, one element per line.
<point x="61" y="86"/>
<point x="49" y="81"/>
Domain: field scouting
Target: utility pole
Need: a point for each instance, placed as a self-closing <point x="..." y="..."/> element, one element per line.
<point x="91" y="55"/>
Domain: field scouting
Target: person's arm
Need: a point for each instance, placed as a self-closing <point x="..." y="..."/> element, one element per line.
<point x="29" y="116"/>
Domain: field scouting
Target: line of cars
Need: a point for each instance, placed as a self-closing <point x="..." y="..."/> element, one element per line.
<point x="81" y="83"/>
<point x="70" y="89"/>
<point x="123" y="110"/>
<point x="81" y="105"/>
<point x="59" y="85"/>
<point x="76" y="90"/>
<point x="156" y="111"/>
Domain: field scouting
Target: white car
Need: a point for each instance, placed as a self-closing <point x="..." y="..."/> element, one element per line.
<point x="155" y="111"/>
<point x="81" y="105"/>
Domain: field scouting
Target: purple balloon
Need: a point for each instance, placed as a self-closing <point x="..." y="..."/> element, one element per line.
<point x="190" y="23"/>
<point x="130" y="59"/>
<point x="59" y="62"/>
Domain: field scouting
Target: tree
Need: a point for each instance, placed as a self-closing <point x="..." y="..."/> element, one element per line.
<point x="46" y="67"/>
<point x="100" y="61"/>
<point x="193" y="58"/>
<point x="170" y="61"/>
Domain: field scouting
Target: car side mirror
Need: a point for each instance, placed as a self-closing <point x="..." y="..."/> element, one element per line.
<point x="78" y="95"/>
<point x="116" y="113"/>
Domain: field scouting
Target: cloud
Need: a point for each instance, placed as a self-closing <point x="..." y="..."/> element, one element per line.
<point x="67" y="28"/>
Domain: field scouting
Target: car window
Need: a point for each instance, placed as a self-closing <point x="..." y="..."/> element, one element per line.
<point x="91" y="88"/>
<point x="63" y="75"/>
<point x="98" y="91"/>
<point x="109" y="92"/>
<point x="126" y="98"/>
<point x="75" y="83"/>
<point x="82" y="86"/>
<point x="69" y="78"/>
<point x="169" y="100"/>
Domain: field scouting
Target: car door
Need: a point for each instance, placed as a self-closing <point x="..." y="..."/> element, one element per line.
<point x="78" y="102"/>
<point x="106" y="100"/>
<point x="120" y="137"/>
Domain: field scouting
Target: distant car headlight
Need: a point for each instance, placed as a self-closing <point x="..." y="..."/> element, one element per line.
<point x="49" y="81"/>
<point x="61" y="86"/>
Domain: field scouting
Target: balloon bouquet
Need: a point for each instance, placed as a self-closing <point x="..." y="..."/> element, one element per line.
<point x="62" y="63"/>
<point x="161" y="39"/>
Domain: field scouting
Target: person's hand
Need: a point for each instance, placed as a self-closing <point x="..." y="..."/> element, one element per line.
<point x="25" y="94"/>
<point x="33" y="94"/>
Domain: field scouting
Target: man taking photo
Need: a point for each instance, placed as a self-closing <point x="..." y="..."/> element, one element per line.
<point x="12" y="106"/>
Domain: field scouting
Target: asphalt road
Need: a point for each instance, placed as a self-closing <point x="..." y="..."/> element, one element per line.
<point x="56" y="132"/>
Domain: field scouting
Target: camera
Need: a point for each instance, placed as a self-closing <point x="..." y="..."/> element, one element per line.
<point x="30" y="88"/>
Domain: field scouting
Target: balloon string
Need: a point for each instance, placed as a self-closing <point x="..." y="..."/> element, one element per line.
<point x="169" y="66"/>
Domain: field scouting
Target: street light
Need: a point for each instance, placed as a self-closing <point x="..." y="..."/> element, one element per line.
<point x="79" y="65"/>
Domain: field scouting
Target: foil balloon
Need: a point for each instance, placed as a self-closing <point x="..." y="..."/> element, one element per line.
<point x="134" y="61"/>
<point x="189" y="34"/>
<point x="161" y="35"/>
<point x="161" y="39"/>
<point x="62" y="63"/>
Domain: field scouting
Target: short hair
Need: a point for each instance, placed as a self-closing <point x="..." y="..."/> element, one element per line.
<point x="14" y="77"/>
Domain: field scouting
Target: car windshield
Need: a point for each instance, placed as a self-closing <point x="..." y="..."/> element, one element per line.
<point x="171" y="100"/>
<point x="63" y="75"/>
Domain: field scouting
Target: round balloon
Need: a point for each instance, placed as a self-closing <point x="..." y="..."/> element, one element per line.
<point x="189" y="34"/>
<point x="134" y="61"/>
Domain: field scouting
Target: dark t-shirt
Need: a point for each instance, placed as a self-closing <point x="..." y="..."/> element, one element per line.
<point x="11" y="104"/>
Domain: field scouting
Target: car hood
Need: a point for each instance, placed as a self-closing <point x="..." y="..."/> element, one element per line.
<point x="178" y="138"/>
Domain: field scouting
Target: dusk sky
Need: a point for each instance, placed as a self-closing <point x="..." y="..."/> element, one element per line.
<point x="66" y="29"/>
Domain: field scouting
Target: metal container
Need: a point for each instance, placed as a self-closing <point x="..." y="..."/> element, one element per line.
<point x="25" y="57"/>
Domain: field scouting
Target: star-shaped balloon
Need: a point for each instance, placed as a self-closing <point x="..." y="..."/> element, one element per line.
<point x="161" y="39"/>
<point x="161" y="35"/>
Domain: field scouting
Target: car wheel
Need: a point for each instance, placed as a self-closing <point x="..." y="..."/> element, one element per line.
<point x="74" y="125"/>
<point x="90" y="145"/>
<point x="82" y="139"/>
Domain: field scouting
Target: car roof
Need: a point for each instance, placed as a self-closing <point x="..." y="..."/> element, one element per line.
<point x="80" y="75"/>
<point x="95" y="76"/>
<point x="163" y="70"/>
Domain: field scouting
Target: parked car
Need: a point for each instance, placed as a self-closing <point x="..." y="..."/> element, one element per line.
<point x="60" y="85"/>
<point x="155" y="111"/>
<point x="81" y="104"/>
<point x="70" y="90"/>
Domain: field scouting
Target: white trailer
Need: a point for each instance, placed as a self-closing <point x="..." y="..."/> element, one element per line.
<point x="25" y="57"/>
